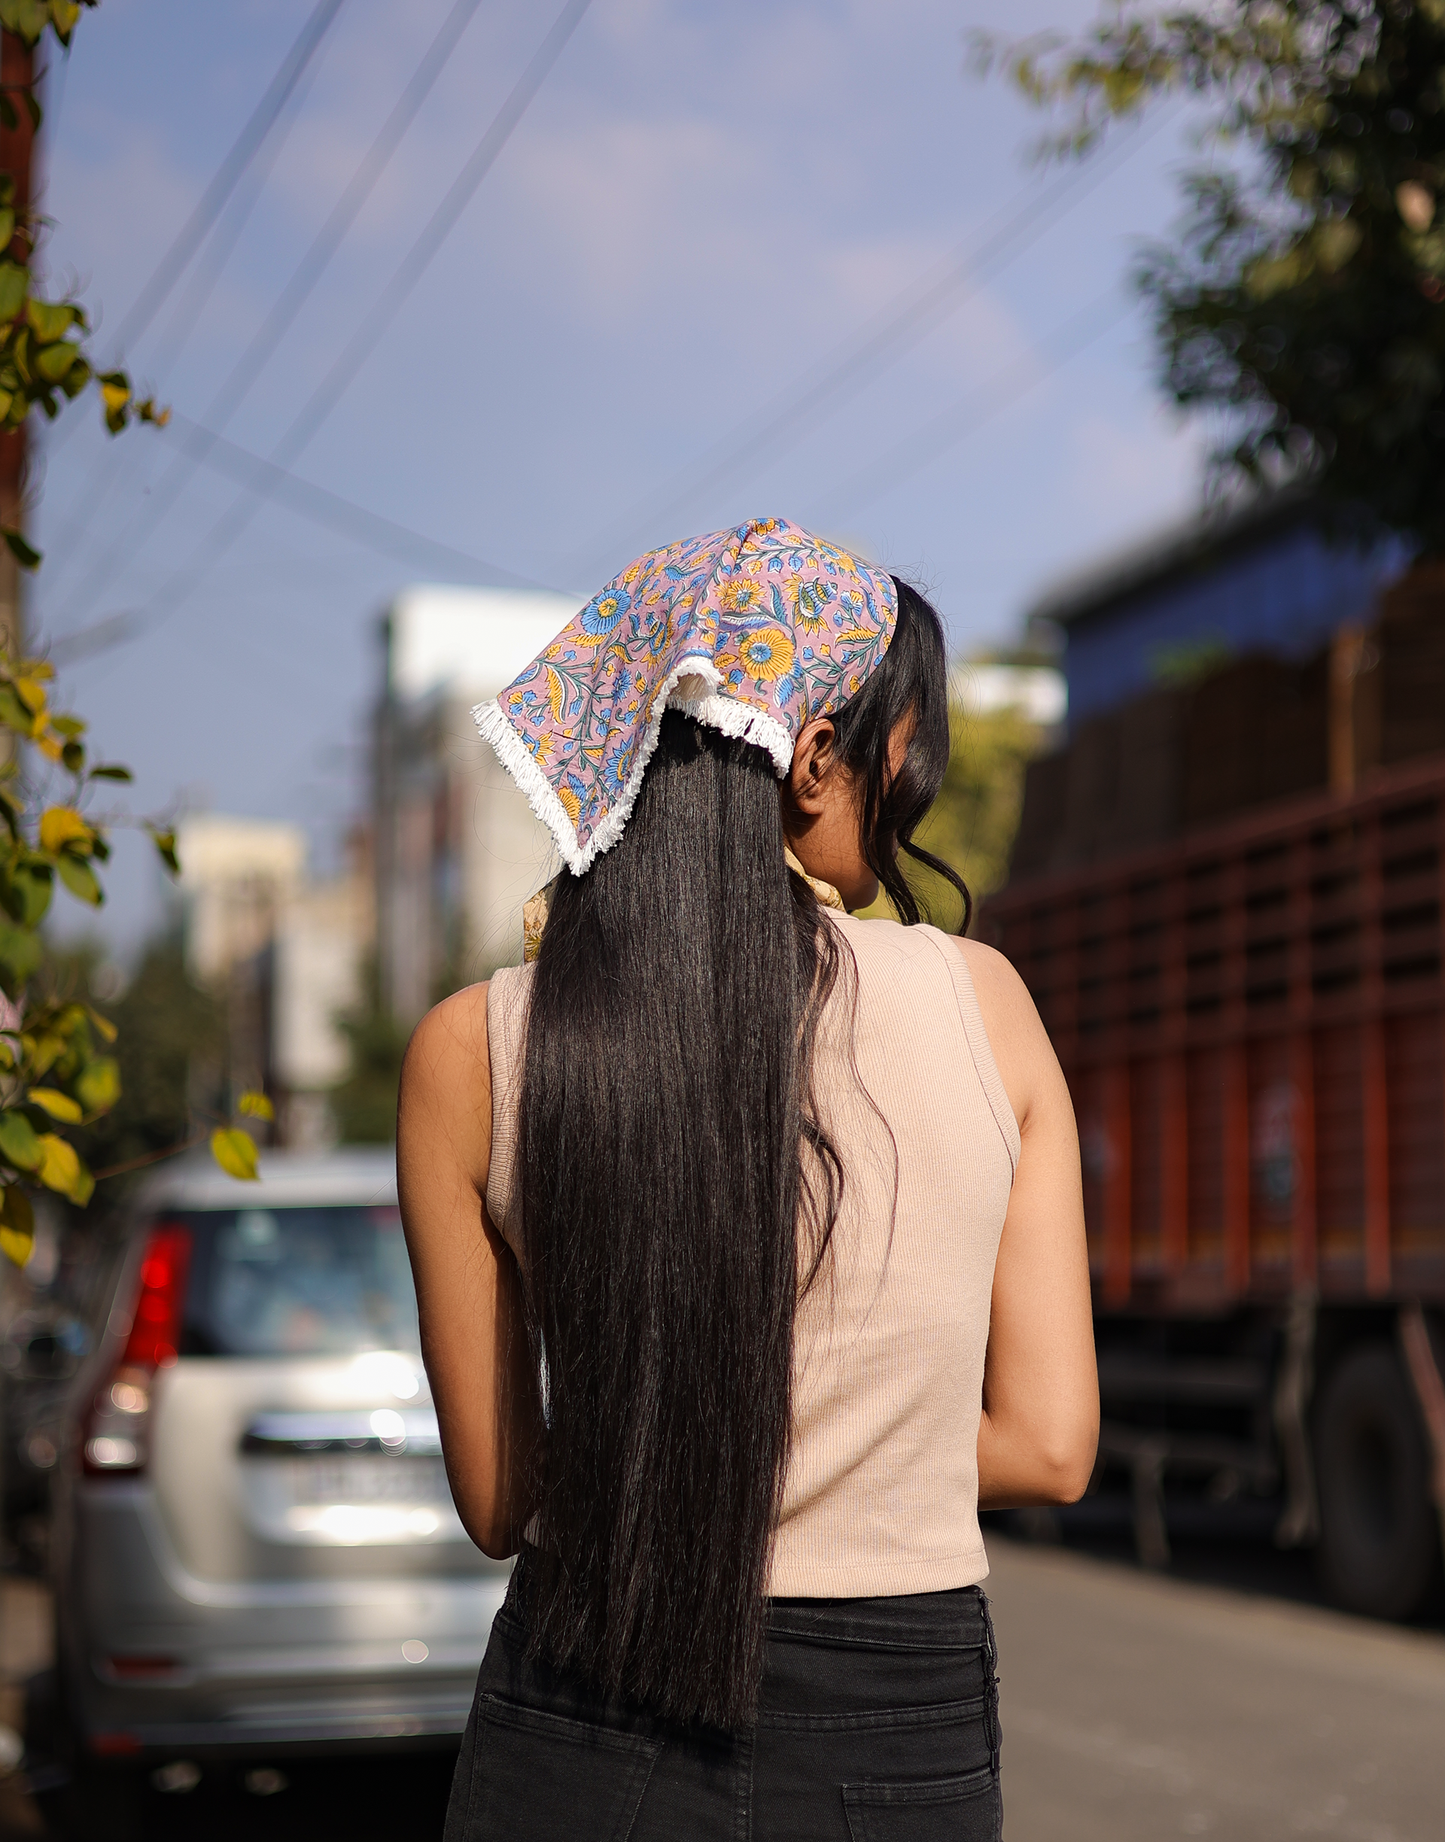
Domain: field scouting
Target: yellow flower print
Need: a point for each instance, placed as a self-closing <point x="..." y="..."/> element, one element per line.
<point x="810" y="606"/>
<point x="571" y="805"/>
<point x="767" y="654"/>
<point x="739" y="596"/>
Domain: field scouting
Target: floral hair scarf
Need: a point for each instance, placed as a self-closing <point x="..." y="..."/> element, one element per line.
<point x="754" y="631"/>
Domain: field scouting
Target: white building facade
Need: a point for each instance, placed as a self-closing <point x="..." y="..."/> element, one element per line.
<point x="285" y="953"/>
<point x="457" y="850"/>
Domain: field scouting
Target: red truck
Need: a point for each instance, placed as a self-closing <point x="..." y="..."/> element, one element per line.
<point x="1250" y="1011"/>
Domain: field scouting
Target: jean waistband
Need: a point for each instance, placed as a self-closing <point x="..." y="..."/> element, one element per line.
<point x="953" y="1620"/>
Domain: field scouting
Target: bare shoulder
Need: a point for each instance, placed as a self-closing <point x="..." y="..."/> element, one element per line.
<point x="446" y="1077"/>
<point x="1021" y="1047"/>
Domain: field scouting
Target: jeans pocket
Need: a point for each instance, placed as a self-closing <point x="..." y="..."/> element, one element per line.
<point x="966" y="1807"/>
<point x="537" y="1776"/>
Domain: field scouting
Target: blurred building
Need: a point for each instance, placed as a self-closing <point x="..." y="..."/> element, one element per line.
<point x="235" y="875"/>
<point x="286" y="952"/>
<point x="1038" y="693"/>
<point x="457" y="848"/>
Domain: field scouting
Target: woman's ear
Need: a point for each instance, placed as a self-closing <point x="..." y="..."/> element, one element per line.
<point x="814" y="758"/>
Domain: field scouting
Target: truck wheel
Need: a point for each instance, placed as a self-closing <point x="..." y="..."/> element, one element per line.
<point x="1379" y="1549"/>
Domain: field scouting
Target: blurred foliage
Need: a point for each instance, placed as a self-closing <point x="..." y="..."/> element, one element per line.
<point x="42" y="357"/>
<point x="57" y="1075"/>
<point x="1305" y="296"/>
<point x="971" y="825"/>
<point x="364" y="1104"/>
<point x="170" y="1048"/>
<point x="56" y="1071"/>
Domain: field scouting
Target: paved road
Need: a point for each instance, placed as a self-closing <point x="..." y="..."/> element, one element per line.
<point x="1137" y="1708"/>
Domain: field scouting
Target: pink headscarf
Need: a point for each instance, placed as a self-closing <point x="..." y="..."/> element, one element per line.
<point x="754" y="631"/>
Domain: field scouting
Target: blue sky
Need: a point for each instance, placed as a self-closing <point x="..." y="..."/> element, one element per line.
<point x="703" y="209"/>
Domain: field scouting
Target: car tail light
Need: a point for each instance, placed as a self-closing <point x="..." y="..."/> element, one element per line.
<point x="117" y="1426"/>
<point x="142" y="1668"/>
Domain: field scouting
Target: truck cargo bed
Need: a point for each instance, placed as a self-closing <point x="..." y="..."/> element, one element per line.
<point x="1252" y="1022"/>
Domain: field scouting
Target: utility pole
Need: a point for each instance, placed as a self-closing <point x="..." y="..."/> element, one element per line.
<point x="17" y="74"/>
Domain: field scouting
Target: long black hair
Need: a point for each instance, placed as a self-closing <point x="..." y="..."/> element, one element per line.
<point x="679" y="1193"/>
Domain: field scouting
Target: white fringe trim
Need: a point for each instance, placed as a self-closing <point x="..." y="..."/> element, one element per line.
<point x="700" y="700"/>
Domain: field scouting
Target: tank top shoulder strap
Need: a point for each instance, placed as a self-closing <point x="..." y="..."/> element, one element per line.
<point x="507" y="995"/>
<point x="979" y="1046"/>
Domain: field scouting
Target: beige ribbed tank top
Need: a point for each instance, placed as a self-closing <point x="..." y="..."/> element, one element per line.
<point x="881" y="1491"/>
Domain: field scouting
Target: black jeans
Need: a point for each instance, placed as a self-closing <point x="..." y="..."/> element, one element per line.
<point x="878" y="1722"/>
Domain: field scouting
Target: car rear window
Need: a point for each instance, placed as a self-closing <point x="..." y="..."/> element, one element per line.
<point x="297" y="1282"/>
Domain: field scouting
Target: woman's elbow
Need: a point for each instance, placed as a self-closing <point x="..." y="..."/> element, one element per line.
<point x="1067" y="1464"/>
<point x="494" y="1535"/>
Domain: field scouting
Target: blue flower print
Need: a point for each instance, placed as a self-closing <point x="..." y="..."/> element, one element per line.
<point x="604" y="611"/>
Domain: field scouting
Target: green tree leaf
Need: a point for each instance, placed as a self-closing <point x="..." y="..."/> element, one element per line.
<point x="50" y="320"/>
<point x="109" y="770"/>
<point x="19" y="1142"/>
<point x="256" y="1106"/>
<point x="98" y="1085"/>
<point x="59" y="1106"/>
<point x="62" y="1171"/>
<point x="14" y="280"/>
<point x="79" y="879"/>
<point x="235" y="1152"/>
<point x="63" y="15"/>
<point x="25" y="554"/>
<point x="27" y="18"/>
<point x="17" y="1224"/>
<point x="165" y="843"/>
<point x="13" y="713"/>
<point x="54" y="361"/>
<point x="20" y="956"/>
<point x="25" y="892"/>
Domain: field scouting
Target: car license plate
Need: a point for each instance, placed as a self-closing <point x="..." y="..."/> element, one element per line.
<point x="365" y="1479"/>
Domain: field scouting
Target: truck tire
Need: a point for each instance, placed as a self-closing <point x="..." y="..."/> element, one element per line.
<point x="1379" y="1547"/>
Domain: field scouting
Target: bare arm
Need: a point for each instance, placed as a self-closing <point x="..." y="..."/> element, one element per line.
<point x="1040" y="1425"/>
<point x="467" y="1283"/>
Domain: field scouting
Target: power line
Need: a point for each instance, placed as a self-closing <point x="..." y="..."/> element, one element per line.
<point x="393" y="297"/>
<point x="103" y="475"/>
<point x="319" y="504"/>
<point x="436" y="231"/>
<point x="168" y="271"/>
<point x="914" y="313"/>
<point x="213" y="200"/>
<point x="950" y="426"/>
<point x="172" y="338"/>
<point x="262" y="347"/>
<point x="323" y="506"/>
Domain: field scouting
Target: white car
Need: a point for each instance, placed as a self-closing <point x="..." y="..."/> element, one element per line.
<point x="256" y="1552"/>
